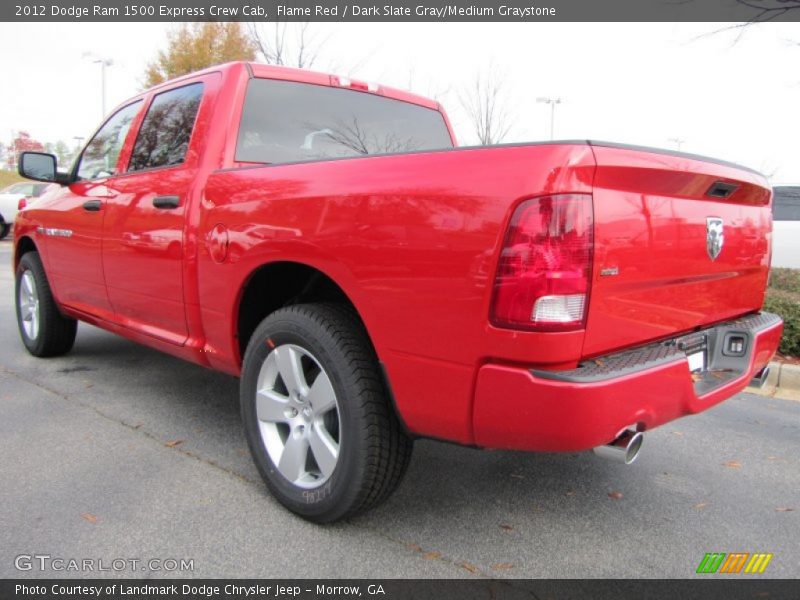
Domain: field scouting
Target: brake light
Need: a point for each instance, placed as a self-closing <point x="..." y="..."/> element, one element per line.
<point x="364" y="86"/>
<point x="544" y="273"/>
<point x="23" y="202"/>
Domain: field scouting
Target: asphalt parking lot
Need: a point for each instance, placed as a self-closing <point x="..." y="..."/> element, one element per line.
<point x="117" y="451"/>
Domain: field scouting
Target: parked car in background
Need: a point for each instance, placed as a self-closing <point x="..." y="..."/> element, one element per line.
<point x="786" y="226"/>
<point x="9" y="201"/>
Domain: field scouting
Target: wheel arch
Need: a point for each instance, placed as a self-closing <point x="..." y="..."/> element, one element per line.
<point x="273" y="285"/>
<point x="23" y="245"/>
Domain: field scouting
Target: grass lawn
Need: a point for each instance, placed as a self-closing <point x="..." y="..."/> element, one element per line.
<point x="8" y="177"/>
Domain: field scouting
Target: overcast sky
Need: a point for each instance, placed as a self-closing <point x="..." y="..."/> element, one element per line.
<point x="638" y="83"/>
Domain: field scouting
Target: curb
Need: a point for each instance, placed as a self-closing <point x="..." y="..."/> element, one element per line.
<point x="783" y="382"/>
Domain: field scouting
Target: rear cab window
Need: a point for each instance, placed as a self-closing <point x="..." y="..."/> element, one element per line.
<point x="166" y="130"/>
<point x="286" y="121"/>
<point x="786" y="203"/>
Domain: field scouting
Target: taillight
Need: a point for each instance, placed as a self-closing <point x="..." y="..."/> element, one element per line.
<point x="544" y="273"/>
<point x="22" y="203"/>
<point x="364" y="86"/>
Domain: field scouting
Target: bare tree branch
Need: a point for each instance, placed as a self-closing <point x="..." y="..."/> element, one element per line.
<point x="353" y="136"/>
<point x="485" y="103"/>
<point x="287" y="44"/>
<point x="770" y="7"/>
<point x="767" y="10"/>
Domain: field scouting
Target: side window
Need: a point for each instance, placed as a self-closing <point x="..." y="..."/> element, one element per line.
<point x="786" y="203"/>
<point x="100" y="157"/>
<point x="164" y="136"/>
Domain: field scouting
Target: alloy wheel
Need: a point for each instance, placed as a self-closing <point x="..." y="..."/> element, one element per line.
<point x="298" y="416"/>
<point x="29" y="305"/>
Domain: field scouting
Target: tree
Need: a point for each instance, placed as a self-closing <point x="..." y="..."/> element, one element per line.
<point x="288" y="44"/>
<point x="25" y="143"/>
<point x="22" y="143"/>
<point x="485" y="103"/>
<point x="763" y="11"/>
<point x="64" y="153"/>
<point x="197" y="46"/>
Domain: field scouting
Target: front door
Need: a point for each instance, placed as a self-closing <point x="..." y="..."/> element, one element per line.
<point x="72" y="221"/>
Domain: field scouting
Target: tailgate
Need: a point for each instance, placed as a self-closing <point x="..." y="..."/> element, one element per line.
<point x="680" y="242"/>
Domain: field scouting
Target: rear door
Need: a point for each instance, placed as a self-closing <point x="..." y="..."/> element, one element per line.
<point x="680" y="242"/>
<point x="143" y="247"/>
<point x="72" y="218"/>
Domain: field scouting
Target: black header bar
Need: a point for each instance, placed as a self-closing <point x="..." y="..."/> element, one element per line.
<point x="708" y="588"/>
<point x="401" y="10"/>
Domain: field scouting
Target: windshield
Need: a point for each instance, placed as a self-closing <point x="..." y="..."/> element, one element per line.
<point x="19" y="188"/>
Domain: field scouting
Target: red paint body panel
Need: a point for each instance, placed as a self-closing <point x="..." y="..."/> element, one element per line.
<point x="413" y="240"/>
<point x="650" y="222"/>
<point x="412" y="236"/>
<point x="75" y="264"/>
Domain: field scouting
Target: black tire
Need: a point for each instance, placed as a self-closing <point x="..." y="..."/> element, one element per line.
<point x="56" y="333"/>
<point x="4" y="230"/>
<point x="373" y="450"/>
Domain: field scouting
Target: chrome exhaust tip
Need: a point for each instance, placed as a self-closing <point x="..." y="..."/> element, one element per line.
<point x="760" y="378"/>
<point x="624" y="449"/>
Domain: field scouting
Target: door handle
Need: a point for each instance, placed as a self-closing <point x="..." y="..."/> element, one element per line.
<point x="92" y="205"/>
<point x="166" y="202"/>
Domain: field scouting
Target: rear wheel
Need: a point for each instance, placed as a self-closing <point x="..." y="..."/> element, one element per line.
<point x="4" y="229"/>
<point x="317" y="416"/>
<point x="44" y="330"/>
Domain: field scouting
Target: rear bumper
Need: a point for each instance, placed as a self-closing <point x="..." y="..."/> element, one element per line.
<point x="589" y="406"/>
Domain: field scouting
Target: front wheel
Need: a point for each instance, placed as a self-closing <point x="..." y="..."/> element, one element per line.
<point x="42" y="327"/>
<point x="317" y="416"/>
<point x="5" y="228"/>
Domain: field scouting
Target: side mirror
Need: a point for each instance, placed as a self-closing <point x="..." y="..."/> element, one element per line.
<point x="40" y="167"/>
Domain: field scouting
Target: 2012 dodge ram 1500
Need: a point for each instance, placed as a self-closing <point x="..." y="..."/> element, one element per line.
<point x="324" y="240"/>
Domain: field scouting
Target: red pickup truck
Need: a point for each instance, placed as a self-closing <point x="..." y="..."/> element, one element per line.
<point x="324" y="240"/>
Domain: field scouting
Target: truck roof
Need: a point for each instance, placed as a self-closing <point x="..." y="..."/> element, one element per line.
<point x="266" y="71"/>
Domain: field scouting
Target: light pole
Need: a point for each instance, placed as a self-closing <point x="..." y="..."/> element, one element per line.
<point x="552" y="102"/>
<point x="12" y="156"/>
<point x="103" y="62"/>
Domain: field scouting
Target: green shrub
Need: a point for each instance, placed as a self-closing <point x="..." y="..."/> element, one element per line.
<point x="787" y="280"/>
<point x="787" y="305"/>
